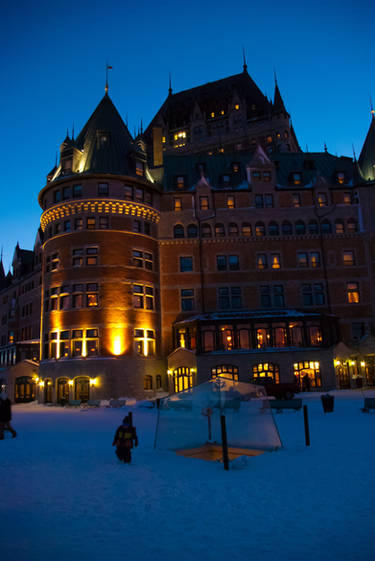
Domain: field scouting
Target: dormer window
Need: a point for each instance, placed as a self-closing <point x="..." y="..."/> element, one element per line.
<point x="266" y="176"/>
<point x="256" y="175"/>
<point x="296" y="178"/>
<point x="180" y="181"/>
<point x="179" y="139"/>
<point x="340" y="177"/>
<point x="236" y="167"/>
<point x="103" y="139"/>
<point x="139" y="168"/>
<point x="321" y="199"/>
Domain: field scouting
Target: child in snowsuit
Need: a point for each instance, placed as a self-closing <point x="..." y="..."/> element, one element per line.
<point x="123" y="440"/>
<point x="5" y="416"/>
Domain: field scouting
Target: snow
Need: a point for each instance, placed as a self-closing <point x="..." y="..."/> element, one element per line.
<point x="65" y="496"/>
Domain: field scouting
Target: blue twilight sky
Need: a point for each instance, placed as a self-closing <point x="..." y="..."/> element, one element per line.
<point x="53" y="72"/>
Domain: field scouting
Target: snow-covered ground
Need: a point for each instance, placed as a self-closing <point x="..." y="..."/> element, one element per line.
<point x="64" y="496"/>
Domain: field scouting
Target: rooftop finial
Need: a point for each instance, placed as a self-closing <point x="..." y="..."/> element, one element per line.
<point x="73" y="131"/>
<point x="274" y="75"/>
<point x="170" y="85"/>
<point x="141" y="126"/>
<point x="107" y="67"/>
<point x="1" y="256"/>
<point x="244" y="60"/>
<point x="354" y="154"/>
<point x="325" y="148"/>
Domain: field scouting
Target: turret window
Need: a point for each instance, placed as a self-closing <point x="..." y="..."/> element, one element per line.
<point x="67" y="226"/>
<point x="322" y="199"/>
<point x="139" y="168"/>
<point x="103" y="222"/>
<point x="92" y="296"/>
<point x="143" y="297"/>
<point x="77" y="191"/>
<point x="90" y="223"/>
<point x="103" y="189"/>
<point x="67" y="193"/>
<point x="143" y="259"/>
<point x="57" y="196"/>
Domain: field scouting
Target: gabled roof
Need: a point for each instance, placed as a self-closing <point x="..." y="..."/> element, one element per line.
<point x="112" y="156"/>
<point x="366" y="159"/>
<point x="214" y="96"/>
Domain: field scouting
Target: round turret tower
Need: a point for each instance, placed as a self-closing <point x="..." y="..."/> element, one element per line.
<point x="100" y="320"/>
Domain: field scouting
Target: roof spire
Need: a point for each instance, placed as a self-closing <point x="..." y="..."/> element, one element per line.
<point x="1" y="256"/>
<point x="372" y="111"/>
<point x="107" y="67"/>
<point x="141" y="126"/>
<point x="325" y="148"/>
<point x="244" y="60"/>
<point x="274" y="75"/>
<point x="73" y="131"/>
<point x="170" y="85"/>
<point x="354" y="154"/>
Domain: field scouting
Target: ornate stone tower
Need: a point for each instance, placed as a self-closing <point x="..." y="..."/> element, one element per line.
<point x="100" y="281"/>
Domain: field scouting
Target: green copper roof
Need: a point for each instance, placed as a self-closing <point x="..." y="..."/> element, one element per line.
<point x="366" y="159"/>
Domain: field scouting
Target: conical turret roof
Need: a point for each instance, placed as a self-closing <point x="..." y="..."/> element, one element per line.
<point x="366" y="159"/>
<point x="105" y="142"/>
<point x="278" y="104"/>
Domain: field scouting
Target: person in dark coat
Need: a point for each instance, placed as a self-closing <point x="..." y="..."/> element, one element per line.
<point x="5" y="416"/>
<point x="124" y="438"/>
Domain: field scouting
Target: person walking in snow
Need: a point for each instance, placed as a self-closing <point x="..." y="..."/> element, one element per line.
<point x="124" y="438"/>
<point x="5" y="416"/>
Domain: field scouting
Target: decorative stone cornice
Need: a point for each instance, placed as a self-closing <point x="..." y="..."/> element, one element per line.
<point x="98" y="206"/>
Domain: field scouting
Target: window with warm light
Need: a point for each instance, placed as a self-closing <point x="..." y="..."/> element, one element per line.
<point x="177" y="204"/>
<point x="297" y="178"/>
<point x="143" y="297"/>
<point x="246" y="229"/>
<point x="219" y="230"/>
<point x="352" y="292"/>
<point x="203" y="203"/>
<point x="275" y="260"/>
<point x="144" y="342"/>
<point x="92" y="295"/>
<point x="348" y="258"/>
<point x="267" y="370"/>
<point x="339" y="227"/>
<point x="307" y="370"/>
<point x="182" y="378"/>
<point x="90" y="223"/>
<point x="352" y="226"/>
<point x="321" y="199"/>
<point x="347" y="198"/>
<point x="91" y="256"/>
<point x="139" y="168"/>
<point x="230" y="202"/>
<point x="228" y="371"/>
<point x="261" y="261"/>
<point x="296" y="200"/>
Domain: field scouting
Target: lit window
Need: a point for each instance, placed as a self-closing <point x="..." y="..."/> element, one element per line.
<point x="230" y="201"/>
<point x="212" y="114"/>
<point x="296" y="178"/>
<point x="77" y="257"/>
<point x="236" y="107"/>
<point x="92" y="296"/>
<point x="256" y="175"/>
<point x="314" y="258"/>
<point x="352" y="225"/>
<point x="260" y="229"/>
<point x="78" y="223"/>
<point x="267" y="176"/>
<point x="225" y="371"/>
<point x="339" y="227"/>
<point x="139" y="194"/>
<point x="177" y="204"/>
<point x="232" y="229"/>
<point x="90" y="223"/>
<point x="348" y="258"/>
<point x="322" y="199"/>
<point x="347" y="198"/>
<point x="352" y="292"/>
<point x="139" y="168"/>
<point x="180" y="182"/>
<point x="269" y="139"/>
<point x="236" y="167"/>
<point x="91" y="256"/>
<point x="103" y="222"/>
<point x="144" y="342"/>
<point x="203" y="203"/>
<point x="219" y="230"/>
<point x="296" y="200"/>
<point x="261" y="261"/>
<point x="275" y="260"/>
<point x="246" y="229"/>
<point x="340" y="177"/>
<point x="128" y="192"/>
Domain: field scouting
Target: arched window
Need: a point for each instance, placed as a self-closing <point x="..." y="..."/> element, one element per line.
<point x="260" y="229"/>
<point x="352" y="226"/>
<point x="267" y="370"/>
<point x="225" y="371"/>
<point x="219" y="230"/>
<point x="313" y="227"/>
<point x="233" y="229"/>
<point x="192" y="231"/>
<point x="300" y="228"/>
<point x="273" y="229"/>
<point x="246" y="229"/>
<point x="178" y="231"/>
<point x="287" y="228"/>
<point x="206" y="231"/>
<point x="326" y="227"/>
<point x="339" y="227"/>
<point x="182" y="378"/>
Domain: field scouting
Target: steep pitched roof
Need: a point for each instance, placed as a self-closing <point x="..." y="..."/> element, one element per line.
<point x="214" y="96"/>
<point x="366" y="159"/>
<point x="278" y="104"/>
<point x="106" y="142"/>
